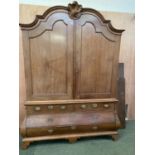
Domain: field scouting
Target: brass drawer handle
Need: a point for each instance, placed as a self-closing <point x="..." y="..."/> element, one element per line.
<point x="63" y="107"/>
<point x="50" y="131"/>
<point x="50" y="107"/>
<point x="106" y="105"/>
<point x="94" y="127"/>
<point x="83" y="106"/>
<point x="73" y="127"/>
<point x="94" y="105"/>
<point x="37" y="108"/>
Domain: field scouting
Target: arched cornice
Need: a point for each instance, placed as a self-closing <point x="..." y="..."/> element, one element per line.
<point x="108" y="22"/>
<point x="43" y="16"/>
<point x="75" y="11"/>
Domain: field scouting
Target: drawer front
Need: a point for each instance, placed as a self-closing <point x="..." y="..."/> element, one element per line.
<point x="64" y="108"/>
<point x="60" y="123"/>
<point x="44" y="131"/>
<point x="95" y="107"/>
<point x="47" y="109"/>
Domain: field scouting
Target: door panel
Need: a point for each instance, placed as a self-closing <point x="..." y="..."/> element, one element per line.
<point x="95" y="58"/>
<point x="92" y="58"/>
<point x="51" y="59"/>
<point x="67" y="58"/>
<point x="49" y="62"/>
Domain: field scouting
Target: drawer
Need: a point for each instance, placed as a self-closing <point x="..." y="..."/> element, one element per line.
<point x="62" y="108"/>
<point x="95" y="106"/>
<point x="45" y="109"/>
<point x="60" y="123"/>
<point x="44" y="131"/>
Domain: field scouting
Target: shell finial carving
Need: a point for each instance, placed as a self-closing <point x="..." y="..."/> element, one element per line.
<point x="74" y="10"/>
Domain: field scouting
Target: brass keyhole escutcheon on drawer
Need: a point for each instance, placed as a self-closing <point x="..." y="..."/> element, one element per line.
<point x="95" y="127"/>
<point x="50" y="107"/>
<point x="63" y="107"/>
<point x="73" y="127"/>
<point x="37" y="108"/>
<point x="83" y="106"/>
<point x="106" y="105"/>
<point x="94" y="105"/>
<point x="50" y="131"/>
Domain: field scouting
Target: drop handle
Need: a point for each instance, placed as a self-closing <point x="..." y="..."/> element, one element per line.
<point x="50" y="131"/>
<point x="94" y="105"/>
<point x="83" y="106"/>
<point x="37" y="108"/>
<point x="95" y="127"/>
<point x="106" y="106"/>
<point x="73" y="127"/>
<point x="63" y="107"/>
<point x="50" y="107"/>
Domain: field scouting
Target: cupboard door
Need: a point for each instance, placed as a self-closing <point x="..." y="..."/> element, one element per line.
<point x="97" y="50"/>
<point x="50" y="55"/>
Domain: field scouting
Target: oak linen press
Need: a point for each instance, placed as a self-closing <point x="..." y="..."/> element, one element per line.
<point x="74" y="83"/>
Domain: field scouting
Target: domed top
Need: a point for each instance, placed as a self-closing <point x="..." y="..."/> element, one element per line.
<point x="75" y="11"/>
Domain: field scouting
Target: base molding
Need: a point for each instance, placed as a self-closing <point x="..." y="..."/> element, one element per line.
<point x="70" y="137"/>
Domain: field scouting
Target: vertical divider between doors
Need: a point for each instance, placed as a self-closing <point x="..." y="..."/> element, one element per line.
<point x="74" y="59"/>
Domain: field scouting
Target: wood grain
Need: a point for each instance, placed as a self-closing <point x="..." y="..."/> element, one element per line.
<point x="72" y="101"/>
<point x="27" y="15"/>
<point x="97" y="53"/>
<point x="48" y="78"/>
<point x="22" y="92"/>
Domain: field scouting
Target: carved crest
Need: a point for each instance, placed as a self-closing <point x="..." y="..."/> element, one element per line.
<point x="74" y="10"/>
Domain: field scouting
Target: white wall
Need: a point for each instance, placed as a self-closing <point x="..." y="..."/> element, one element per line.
<point x="102" y="5"/>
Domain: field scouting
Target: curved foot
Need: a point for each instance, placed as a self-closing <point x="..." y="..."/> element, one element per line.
<point x="72" y="140"/>
<point x="114" y="137"/>
<point x="25" y="145"/>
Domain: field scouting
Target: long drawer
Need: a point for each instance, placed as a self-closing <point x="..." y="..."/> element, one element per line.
<point x="73" y="122"/>
<point x="62" y="108"/>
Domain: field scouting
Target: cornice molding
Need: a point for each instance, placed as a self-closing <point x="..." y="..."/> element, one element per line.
<point x="75" y="11"/>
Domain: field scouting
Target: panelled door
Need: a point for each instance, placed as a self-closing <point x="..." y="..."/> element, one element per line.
<point x="49" y="57"/>
<point x="68" y="58"/>
<point x="97" y="50"/>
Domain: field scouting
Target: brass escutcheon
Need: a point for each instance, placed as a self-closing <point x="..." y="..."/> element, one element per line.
<point x="106" y="105"/>
<point x="94" y="127"/>
<point x="63" y="107"/>
<point x="94" y="105"/>
<point x="50" y="130"/>
<point x="73" y="127"/>
<point x="37" y="108"/>
<point x="83" y="106"/>
<point x="50" y="107"/>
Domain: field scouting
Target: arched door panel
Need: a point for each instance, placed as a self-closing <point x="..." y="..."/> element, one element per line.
<point x="97" y="51"/>
<point x="49" y="58"/>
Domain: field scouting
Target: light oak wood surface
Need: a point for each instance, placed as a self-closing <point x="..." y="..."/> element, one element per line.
<point x="71" y="62"/>
<point x="27" y="15"/>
